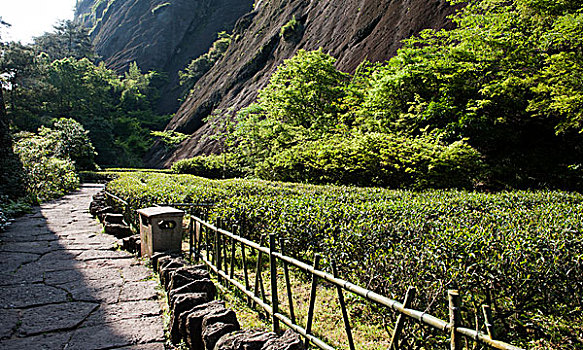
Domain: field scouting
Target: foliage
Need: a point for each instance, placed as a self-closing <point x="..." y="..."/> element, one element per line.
<point x="300" y="103"/>
<point x="304" y="91"/>
<point x="505" y="79"/>
<point x="222" y="166"/>
<point x="202" y="64"/>
<point x="116" y="110"/>
<point x="376" y="159"/>
<point x="72" y="142"/>
<point x="69" y="39"/>
<point x="46" y="176"/>
<point x="519" y="251"/>
<point x="170" y="138"/>
<point x="291" y="29"/>
<point x="49" y="158"/>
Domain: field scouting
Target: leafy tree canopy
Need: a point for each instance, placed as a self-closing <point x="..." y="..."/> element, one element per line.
<point x="506" y="80"/>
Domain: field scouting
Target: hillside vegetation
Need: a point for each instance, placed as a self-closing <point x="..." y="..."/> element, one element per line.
<point x="502" y="87"/>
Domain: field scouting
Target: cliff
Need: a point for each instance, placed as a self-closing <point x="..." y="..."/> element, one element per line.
<point x="160" y="35"/>
<point x="350" y="30"/>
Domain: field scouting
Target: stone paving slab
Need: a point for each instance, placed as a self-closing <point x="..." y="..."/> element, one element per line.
<point x="64" y="285"/>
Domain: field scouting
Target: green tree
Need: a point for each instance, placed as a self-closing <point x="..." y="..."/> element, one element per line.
<point x="11" y="172"/>
<point x="305" y="91"/>
<point x="73" y="143"/>
<point x="506" y="78"/>
<point x="302" y="102"/>
<point x="68" y="39"/>
<point x="51" y="158"/>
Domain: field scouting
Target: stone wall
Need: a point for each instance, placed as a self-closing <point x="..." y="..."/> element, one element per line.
<point x="203" y="322"/>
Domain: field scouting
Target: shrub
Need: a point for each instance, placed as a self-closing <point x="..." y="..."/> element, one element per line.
<point x="170" y="138"/>
<point x="379" y="160"/>
<point x="46" y="158"/>
<point x="212" y="166"/>
<point x="202" y="64"/>
<point x="291" y="30"/>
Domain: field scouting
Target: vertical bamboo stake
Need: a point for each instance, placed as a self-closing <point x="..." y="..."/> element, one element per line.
<point x="261" y="284"/>
<point x="273" y="277"/>
<point x="258" y="272"/>
<point x="454" y="318"/>
<point x="488" y="321"/>
<point x="244" y="258"/>
<point x="208" y="244"/>
<point x="191" y="237"/>
<point x="409" y="296"/>
<point x="198" y="240"/>
<point x="287" y="283"/>
<point x="343" y="305"/>
<point x="232" y="272"/>
<point x="225" y="239"/>
<point x="218" y="251"/>
<point x="312" y="299"/>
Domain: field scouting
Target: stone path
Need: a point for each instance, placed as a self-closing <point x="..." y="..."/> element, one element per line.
<point x="64" y="286"/>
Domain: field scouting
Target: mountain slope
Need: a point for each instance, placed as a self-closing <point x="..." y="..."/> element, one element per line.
<point x="161" y="35"/>
<point x="350" y="30"/>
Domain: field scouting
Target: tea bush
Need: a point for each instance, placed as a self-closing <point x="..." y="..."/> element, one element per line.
<point x="212" y="166"/>
<point x="521" y="252"/>
<point x="377" y="159"/>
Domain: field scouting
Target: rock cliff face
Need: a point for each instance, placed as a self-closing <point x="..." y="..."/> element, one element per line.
<point x="350" y="30"/>
<point x="161" y="35"/>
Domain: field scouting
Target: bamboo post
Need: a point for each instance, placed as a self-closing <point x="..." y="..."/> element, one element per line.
<point x="198" y="240"/>
<point x="245" y="273"/>
<point x="409" y="296"/>
<point x="208" y="244"/>
<point x="225" y="259"/>
<point x="191" y="237"/>
<point x="218" y="251"/>
<point x="273" y="277"/>
<point x="287" y="282"/>
<point x="312" y="299"/>
<point x="261" y="284"/>
<point x="258" y="271"/>
<point x="454" y="318"/>
<point x="343" y="306"/>
<point x="488" y="322"/>
<point x="233" y="249"/>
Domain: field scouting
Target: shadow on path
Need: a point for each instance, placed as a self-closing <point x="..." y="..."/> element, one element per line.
<point x="63" y="285"/>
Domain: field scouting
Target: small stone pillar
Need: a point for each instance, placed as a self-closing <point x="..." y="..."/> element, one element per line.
<point x="160" y="230"/>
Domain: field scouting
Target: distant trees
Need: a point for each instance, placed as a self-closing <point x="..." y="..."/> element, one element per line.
<point x="58" y="77"/>
<point x="11" y="182"/>
<point x="69" y="39"/>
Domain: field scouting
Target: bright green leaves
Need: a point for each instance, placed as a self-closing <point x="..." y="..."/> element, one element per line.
<point x="51" y="158"/>
<point x="559" y="92"/>
<point x="305" y="92"/>
<point x="375" y="159"/>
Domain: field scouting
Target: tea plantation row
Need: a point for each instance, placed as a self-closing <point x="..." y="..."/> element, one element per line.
<point x="521" y="252"/>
